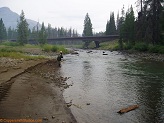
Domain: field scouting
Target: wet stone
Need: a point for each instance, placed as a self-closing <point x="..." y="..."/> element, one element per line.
<point x="45" y="118"/>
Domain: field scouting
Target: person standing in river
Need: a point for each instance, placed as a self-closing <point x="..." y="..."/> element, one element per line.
<point x="60" y="56"/>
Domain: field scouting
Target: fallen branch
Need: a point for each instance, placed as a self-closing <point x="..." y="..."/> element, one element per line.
<point x="130" y="108"/>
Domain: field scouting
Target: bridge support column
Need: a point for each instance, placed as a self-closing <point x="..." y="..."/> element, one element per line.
<point x="97" y="43"/>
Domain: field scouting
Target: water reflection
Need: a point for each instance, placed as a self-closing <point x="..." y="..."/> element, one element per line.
<point x="150" y="84"/>
<point x="112" y="82"/>
<point x="86" y="76"/>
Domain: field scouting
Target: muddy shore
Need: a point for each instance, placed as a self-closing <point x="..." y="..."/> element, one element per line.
<point x="33" y="90"/>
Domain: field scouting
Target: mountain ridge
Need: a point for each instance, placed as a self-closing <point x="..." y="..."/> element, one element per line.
<point x="10" y="18"/>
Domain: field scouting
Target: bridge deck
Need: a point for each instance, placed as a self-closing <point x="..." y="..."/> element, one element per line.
<point x="86" y="38"/>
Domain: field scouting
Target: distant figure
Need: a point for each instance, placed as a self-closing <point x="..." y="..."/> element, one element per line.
<point x="60" y="56"/>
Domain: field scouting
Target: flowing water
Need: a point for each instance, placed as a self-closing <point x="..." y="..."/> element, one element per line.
<point x="103" y="84"/>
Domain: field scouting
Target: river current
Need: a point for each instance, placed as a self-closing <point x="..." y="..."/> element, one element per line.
<point x="104" y="84"/>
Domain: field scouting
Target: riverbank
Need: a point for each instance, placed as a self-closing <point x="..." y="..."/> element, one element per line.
<point x="33" y="89"/>
<point x="145" y="55"/>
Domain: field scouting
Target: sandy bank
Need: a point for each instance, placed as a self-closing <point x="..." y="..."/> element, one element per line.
<point x="33" y="90"/>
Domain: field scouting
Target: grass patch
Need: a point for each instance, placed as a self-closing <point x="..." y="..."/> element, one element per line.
<point x="13" y="50"/>
<point x="31" y="46"/>
<point x="111" y="45"/>
<point x="18" y="55"/>
<point x="9" y="43"/>
<point x="8" y="50"/>
<point x="54" y="48"/>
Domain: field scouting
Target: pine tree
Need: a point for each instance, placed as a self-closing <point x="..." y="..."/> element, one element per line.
<point x="129" y="33"/>
<point x="10" y="33"/>
<point x="150" y="21"/>
<point x="107" y="28"/>
<point x="162" y="25"/>
<point x="22" y="29"/>
<point x="121" y="26"/>
<point x="111" y="26"/>
<point x="87" y="26"/>
<point x="49" y="31"/>
<point x="42" y="35"/>
<point x="3" y="32"/>
<point x="35" y="34"/>
<point x="155" y="11"/>
<point x="87" y="29"/>
<point x="117" y="24"/>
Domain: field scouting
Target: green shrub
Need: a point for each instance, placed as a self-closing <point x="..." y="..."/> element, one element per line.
<point x="54" y="48"/>
<point x="127" y="46"/>
<point x="156" y="49"/>
<point x="47" y="47"/>
<point x="62" y="48"/>
<point x="153" y="49"/>
<point x="110" y="45"/>
<point x="91" y="45"/>
<point x="141" y="47"/>
<point x="116" y="47"/>
<point x="10" y="43"/>
<point x="161" y="49"/>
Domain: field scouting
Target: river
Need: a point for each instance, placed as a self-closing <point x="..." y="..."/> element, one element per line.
<point x="104" y="84"/>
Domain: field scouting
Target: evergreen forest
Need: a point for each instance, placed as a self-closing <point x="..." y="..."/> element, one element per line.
<point x="144" y="31"/>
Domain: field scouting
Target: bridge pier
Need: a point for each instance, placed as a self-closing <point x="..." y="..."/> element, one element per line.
<point x="97" y="43"/>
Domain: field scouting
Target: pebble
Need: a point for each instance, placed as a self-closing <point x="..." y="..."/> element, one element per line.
<point x="9" y="62"/>
<point x="45" y="118"/>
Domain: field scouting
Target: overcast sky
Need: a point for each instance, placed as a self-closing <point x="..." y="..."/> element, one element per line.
<point x="69" y="13"/>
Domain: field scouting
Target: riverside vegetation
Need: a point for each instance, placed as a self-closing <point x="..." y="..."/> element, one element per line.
<point x="138" y="47"/>
<point x="139" y="50"/>
<point x="14" y="50"/>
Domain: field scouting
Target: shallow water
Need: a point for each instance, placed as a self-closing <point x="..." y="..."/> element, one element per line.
<point x="103" y="84"/>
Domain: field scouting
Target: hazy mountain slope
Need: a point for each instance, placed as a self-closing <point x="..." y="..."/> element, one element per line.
<point x="10" y="18"/>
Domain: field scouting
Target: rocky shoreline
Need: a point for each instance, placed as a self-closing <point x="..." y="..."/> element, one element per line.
<point x="145" y="55"/>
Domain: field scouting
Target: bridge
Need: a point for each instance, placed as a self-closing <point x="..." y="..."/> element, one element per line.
<point x="74" y="40"/>
<point x="87" y="38"/>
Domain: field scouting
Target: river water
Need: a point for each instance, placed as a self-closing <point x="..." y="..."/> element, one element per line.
<point x="103" y="84"/>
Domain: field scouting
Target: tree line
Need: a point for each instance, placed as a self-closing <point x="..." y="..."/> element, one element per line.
<point x="40" y="33"/>
<point x="147" y="28"/>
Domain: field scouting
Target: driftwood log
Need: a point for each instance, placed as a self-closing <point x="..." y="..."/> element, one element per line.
<point x="130" y="108"/>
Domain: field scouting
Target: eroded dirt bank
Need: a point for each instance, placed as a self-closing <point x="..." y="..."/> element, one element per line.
<point x="34" y="92"/>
